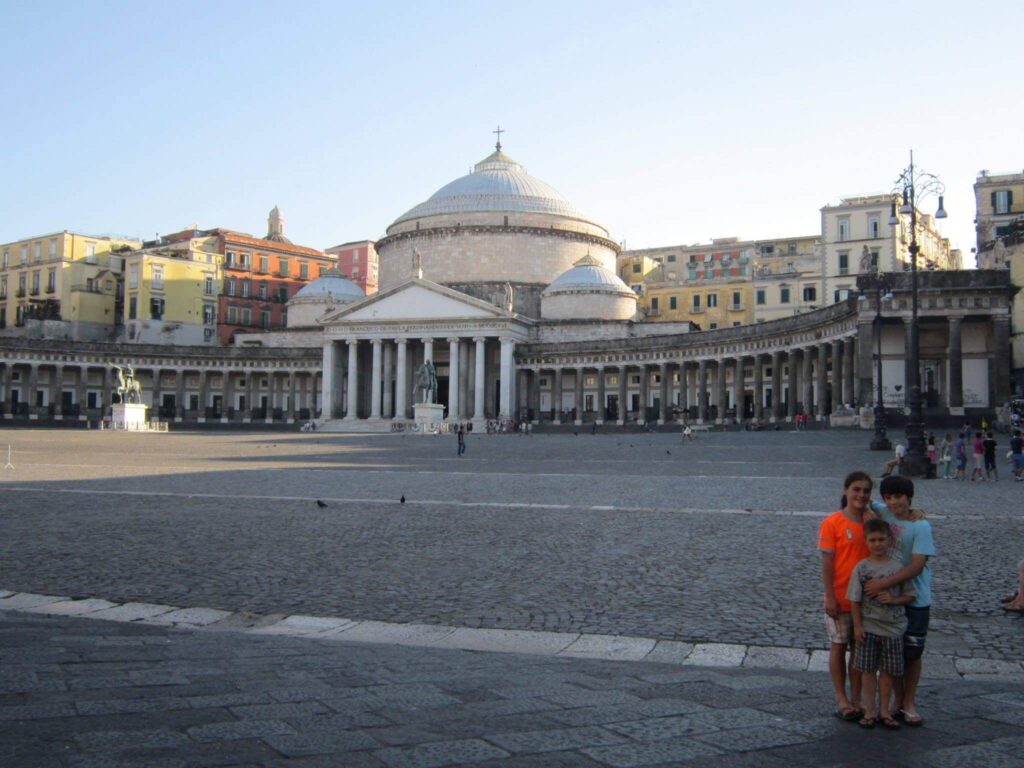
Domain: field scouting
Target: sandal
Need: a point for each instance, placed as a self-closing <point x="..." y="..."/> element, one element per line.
<point x="867" y="722"/>
<point x="889" y="723"/>
<point x="849" y="713"/>
<point x="913" y="720"/>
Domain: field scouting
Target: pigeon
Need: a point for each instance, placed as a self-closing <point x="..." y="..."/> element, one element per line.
<point x="402" y="500"/>
<point x="669" y="452"/>
<point x="320" y="504"/>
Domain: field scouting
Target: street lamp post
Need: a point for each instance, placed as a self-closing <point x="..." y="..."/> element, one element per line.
<point x="911" y="185"/>
<point x="880" y="441"/>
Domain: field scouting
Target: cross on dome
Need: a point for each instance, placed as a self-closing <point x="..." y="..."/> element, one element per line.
<point x="497" y="145"/>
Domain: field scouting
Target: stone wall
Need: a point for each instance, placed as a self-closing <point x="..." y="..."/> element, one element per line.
<point x="597" y="306"/>
<point x="499" y="219"/>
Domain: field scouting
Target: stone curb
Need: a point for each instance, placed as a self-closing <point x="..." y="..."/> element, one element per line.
<point x="563" y="644"/>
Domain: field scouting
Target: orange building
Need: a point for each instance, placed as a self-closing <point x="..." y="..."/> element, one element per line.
<point x="358" y="262"/>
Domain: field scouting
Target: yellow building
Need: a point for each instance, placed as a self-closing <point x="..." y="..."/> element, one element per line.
<point x="788" y="277"/>
<point x="171" y="293"/>
<point x="43" y="279"/>
<point x="999" y="201"/>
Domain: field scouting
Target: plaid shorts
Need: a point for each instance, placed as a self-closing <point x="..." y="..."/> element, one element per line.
<point x="840" y="629"/>
<point x="876" y="651"/>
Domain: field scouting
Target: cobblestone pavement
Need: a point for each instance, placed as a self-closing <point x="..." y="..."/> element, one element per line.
<point x="611" y="534"/>
<point x="78" y="693"/>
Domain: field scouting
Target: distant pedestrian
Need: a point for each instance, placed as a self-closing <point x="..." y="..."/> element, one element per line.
<point x="1017" y="455"/>
<point x="946" y="455"/>
<point x="896" y="462"/>
<point x="932" y="457"/>
<point x="1016" y="602"/>
<point x="989" y="445"/>
<point x="978" y="454"/>
<point x="462" y="440"/>
<point x="960" y="453"/>
<point x="687" y="433"/>
<point x="593" y="428"/>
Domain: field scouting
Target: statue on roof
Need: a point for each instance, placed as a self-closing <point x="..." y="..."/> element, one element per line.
<point x="417" y="263"/>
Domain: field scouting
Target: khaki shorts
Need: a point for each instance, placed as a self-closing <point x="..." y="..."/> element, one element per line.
<point x="840" y="629"/>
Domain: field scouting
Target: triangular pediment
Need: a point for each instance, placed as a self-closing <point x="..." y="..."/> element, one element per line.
<point x="416" y="300"/>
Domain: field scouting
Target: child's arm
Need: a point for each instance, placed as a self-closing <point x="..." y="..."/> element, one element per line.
<point x="828" y="571"/>
<point x="876" y="587"/>
<point x="886" y="599"/>
<point x="858" y="624"/>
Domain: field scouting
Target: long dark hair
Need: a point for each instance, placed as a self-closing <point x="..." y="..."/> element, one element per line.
<point x="853" y="477"/>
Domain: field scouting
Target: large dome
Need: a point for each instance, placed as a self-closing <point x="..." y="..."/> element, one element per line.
<point x="497" y="184"/>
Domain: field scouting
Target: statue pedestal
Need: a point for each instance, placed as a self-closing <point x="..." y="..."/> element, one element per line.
<point x="128" y="416"/>
<point x="428" y="416"/>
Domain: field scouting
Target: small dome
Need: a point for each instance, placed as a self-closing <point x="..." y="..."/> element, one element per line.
<point x="588" y="275"/>
<point x="331" y="285"/>
<point x="497" y="184"/>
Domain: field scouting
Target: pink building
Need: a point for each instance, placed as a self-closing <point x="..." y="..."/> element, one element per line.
<point x="358" y="262"/>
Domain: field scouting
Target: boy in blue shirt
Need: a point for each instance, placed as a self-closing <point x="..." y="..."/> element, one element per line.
<point x="916" y="546"/>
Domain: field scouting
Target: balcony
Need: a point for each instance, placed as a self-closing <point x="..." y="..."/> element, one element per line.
<point x="34" y="292"/>
<point x="51" y="289"/>
<point x="844" y="270"/>
<point x="736" y="307"/>
<point x="21" y="293"/>
<point x="85" y="288"/>
<point x="696" y="310"/>
<point x="653" y="312"/>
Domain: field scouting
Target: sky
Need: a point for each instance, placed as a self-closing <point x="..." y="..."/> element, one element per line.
<point x="669" y="123"/>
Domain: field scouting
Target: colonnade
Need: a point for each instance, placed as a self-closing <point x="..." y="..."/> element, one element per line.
<point x="199" y="393"/>
<point x="812" y="379"/>
<point x="374" y="378"/>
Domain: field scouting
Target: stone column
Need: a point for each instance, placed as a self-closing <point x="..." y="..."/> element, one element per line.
<point x="352" y="409"/>
<point x="179" y="394"/>
<point x="956" y="363"/>
<point x="702" y="391"/>
<point x="737" y="387"/>
<point x="793" y="397"/>
<point x="428" y="350"/>
<point x="156" y="393"/>
<point x="623" y="394"/>
<point x="105" y="395"/>
<point x="204" y="394"/>
<point x="5" y="387"/>
<point x="907" y="328"/>
<point x="849" y="371"/>
<point x="56" y="388"/>
<point x="556" y="395"/>
<point x="578" y="395"/>
<point x="534" y="396"/>
<point x="453" y="379"/>
<point x="507" y="365"/>
<point x="720" y="392"/>
<point x="866" y="346"/>
<point x="601" y="395"/>
<point x="81" y="386"/>
<point x="758" y="387"/>
<point x="778" y="406"/>
<point x="822" y="382"/>
<point x="225" y="393"/>
<point x="666" y="406"/>
<point x="293" y="407"/>
<point x="375" y="382"/>
<point x="402" y="379"/>
<point x="807" y="381"/>
<point x="999" y="360"/>
<point x="837" y="375"/>
<point x="479" y="378"/>
<point x="465" y="391"/>
<point x="684" y="388"/>
<point x="387" y="409"/>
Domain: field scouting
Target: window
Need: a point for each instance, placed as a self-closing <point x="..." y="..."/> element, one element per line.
<point x="873" y="231"/>
<point x="844" y="229"/>
<point x="783" y="295"/>
<point x="133" y="307"/>
<point x="263" y="263"/>
<point x="230" y="260"/>
<point x="3" y="317"/>
<point x="321" y="270"/>
<point x="712" y="300"/>
<point x="759" y="297"/>
<point x="282" y="293"/>
<point x="243" y="260"/>
<point x="3" y="287"/>
<point x="736" y="299"/>
<point x="51" y="280"/>
<point x="35" y="283"/>
<point x="232" y="314"/>
<point x="283" y="267"/>
<point x="158" y="278"/>
<point x="24" y="254"/>
<point x="208" y="314"/>
<point x="245" y="289"/>
<point x="791" y="249"/>
<point x="672" y="302"/>
<point x="37" y="252"/>
<point x="304" y="270"/>
<point x="712" y="326"/>
<point x="208" y="285"/>
<point x="21" y="284"/>
<point x="636" y="269"/>
<point x="246" y="316"/>
<point x="1002" y="201"/>
<point x="90" y="250"/>
<point x="53" y="248"/>
<point x="7" y="258"/>
<point x="696" y="301"/>
<point x="654" y="303"/>
<point x="263" y="289"/>
<point x="874" y="259"/>
<point x="156" y="308"/>
<point x="265" y="318"/>
<point x="671" y="258"/>
<point x="841" y="294"/>
<point x="231" y="286"/>
<point x="844" y="263"/>
<point x="810" y="293"/>
<point x="133" y="276"/>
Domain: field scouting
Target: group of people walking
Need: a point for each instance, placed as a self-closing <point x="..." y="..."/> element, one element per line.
<point x="949" y="459"/>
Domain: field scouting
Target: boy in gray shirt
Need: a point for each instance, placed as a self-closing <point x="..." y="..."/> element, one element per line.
<point x="878" y="624"/>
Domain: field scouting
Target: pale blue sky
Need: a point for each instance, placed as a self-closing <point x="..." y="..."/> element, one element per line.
<point x="670" y="123"/>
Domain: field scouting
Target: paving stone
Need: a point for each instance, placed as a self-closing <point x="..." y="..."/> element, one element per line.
<point x="615" y="647"/>
<point x="113" y="741"/>
<point x="670" y="652"/>
<point x="242" y="729"/>
<point x="506" y="641"/>
<point x="5" y="593"/>
<point x="974" y="755"/>
<point x="671" y="752"/>
<point x="193" y="617"/>
<point x="304" y="625"/>
<point x="21" y="601"/>
<point x="235" y="699"/>
<point x="280" y="711"/>
<point x="776" y="658"/>
<point x="818" y="662"/>
<point x="661" y="728"/>
<point x="37" y="711"/>
<point x="988" y="667"/>
<point x="132" y="612"/>
<point x="399" y="634"/>
<point x="320" y="742"/>
<point x="751" y="739"/>
<point x="650" y="708"/>
<point x="72" y="607"/>
<point x="554" y="740"/>
<point x="128" y="706"/>
<point x="716" y="655"/>
<point x="461" y="752"/>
